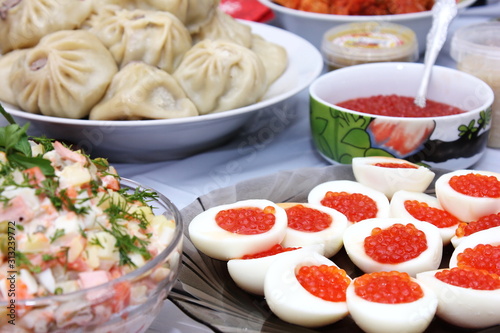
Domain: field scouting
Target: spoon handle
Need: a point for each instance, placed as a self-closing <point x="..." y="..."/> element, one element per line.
<point x="443" y="13"/>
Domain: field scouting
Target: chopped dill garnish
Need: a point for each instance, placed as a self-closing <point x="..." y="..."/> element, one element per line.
<point x="47" y="257"/>
<point x="58" y="233"/>
<point x="95" y="241"/>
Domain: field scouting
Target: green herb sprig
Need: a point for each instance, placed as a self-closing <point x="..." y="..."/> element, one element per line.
<point x="14" y="142"/>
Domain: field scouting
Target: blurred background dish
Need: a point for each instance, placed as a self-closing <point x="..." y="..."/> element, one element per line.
<point x="454" y="141"/>
<point x="359" y="43"/>
<point x="168" y="139"/>
<point x="312" y="26"/>
<point x="476" y="49"/>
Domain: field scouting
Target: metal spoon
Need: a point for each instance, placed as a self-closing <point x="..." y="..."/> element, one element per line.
<point x="443" y="12"/>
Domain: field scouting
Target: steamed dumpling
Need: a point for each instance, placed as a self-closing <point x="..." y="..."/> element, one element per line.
<point x="65" y="75"/>
<point x="6" y="62"/>
<point x="192" y="13"/>
<point x="273" y="56"/>
<point x="218" y="75"/>
<point x="224" y="26"/>
<point x="24" y="23"/>
<point x="100" y="4"/>
<point x="175" y="7"/>
<point x="199" y="13"/>
<point x="142" y="91"/>
<point x="155" y="37"/>
<point x="179" y="8"/>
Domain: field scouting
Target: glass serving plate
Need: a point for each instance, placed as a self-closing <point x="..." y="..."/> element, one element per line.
<point x="104" y="308"/>
<point x="206" y="292"/>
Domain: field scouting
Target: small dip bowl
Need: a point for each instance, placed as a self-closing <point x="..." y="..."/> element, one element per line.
<point x="451" y="142"/>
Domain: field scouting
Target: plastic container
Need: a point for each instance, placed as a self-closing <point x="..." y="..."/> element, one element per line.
<point x="476" y="49"/>
<point x="359" y="43"/>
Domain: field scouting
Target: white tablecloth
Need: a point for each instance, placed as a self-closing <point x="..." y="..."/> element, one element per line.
<point x="276" y="140"/>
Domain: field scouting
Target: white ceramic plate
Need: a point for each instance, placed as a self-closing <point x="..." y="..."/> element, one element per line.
<point x="138" y="141"/>
<point x="312" y="26"/>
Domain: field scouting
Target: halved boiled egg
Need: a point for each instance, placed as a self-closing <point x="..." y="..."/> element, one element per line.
<point x="465" y="229"/>
<point x="233" y="230"/>
<point x="394" y="244"/>
<point x="480" y="250"/>
<point x="390" y="302"/>
<point x="355" y="200"/>
<point x="306" y="290"/>
<point x="420" y="206"/>
<point x="468" y="194"/>
<point x="466" y="297"/>
<point x="249" y="272"/>
<point x="389" y="174"/>
<point x="314" y="224"/>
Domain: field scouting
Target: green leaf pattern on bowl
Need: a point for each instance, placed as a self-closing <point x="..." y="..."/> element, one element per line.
<point x="350" y="129"/>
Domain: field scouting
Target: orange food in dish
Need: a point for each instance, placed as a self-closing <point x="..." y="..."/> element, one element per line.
<point x="482" y="256"/>
<point x="246" y="221"/>
<point x="304" y="218"/>
<point x="423" y="212"/>
<point x="355" y="206"/>
<point x="485" y="222"/>
<point x="388" y="287"/>
<point x="469" y="278"/>
<point x="326" y="282"/>
<point x="276" y="249"/>
<point x="396" y="244"/>
<point x="476" y="185"/>
<point x="399" y="106"/>
<point x="359" y="7"/>
<point x="395" y="165"/>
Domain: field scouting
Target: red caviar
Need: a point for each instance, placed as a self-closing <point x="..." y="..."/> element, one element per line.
<point x="469" y="278"/>
<point x="439" y="217"/>
<point x="399" y="106"/>
<point x="485" y="222"/>
<point x="395" y="244"/>
<point x="276" y="249"/>
<point x="388" y="287"/>
<point x="482" y="256"/>
<point x="326" y="282"/>
<point x="355" y="206"/>
<point x="308" y="219"/>
<point x="246" y="220"/>
<point x="476" y="185"/>
<point x="396" y="165"/>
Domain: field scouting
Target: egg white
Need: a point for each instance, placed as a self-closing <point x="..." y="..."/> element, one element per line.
<point x="330" y="237"/>
<point x="373" y="317"/>
<point x="463" y="307"/>
<point x="465" y="207"/>
<point x="319" y="191"/>
<point x="249" y="274"/>
<point x="391" y="180"/>
<point x="209" y="238"/>
<point x="355" y="235"/>
<point x="488" y="236"/>
<point x="397" y="209"/>
<point x="291" y="302"/>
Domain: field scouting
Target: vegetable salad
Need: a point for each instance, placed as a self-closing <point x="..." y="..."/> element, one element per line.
<point x="67" y="225"/>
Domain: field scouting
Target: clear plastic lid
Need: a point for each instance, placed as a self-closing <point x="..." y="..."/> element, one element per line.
<point x="356" y="43"/>
<point x="482" y="39"/>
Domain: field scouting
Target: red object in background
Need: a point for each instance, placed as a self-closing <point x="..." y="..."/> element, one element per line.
<point x="251" y="10"/>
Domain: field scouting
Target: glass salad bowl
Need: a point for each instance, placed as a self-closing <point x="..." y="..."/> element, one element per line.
<point x="128" y="303"/>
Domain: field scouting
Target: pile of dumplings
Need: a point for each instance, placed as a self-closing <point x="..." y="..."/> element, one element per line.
<point x="131" y="59"/>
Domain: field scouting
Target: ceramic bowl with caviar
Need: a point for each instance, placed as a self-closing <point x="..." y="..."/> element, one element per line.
<point x="85" y="300"/>
<point x="369" y="110"/>
<point x="312" y="25"/>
